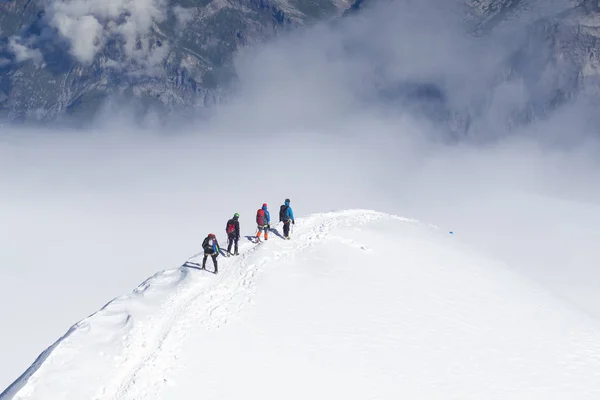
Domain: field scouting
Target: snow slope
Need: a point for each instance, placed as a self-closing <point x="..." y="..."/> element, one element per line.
<point x="358" y="305"/>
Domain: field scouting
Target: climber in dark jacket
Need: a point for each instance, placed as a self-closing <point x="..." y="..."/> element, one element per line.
<point x="233" y="233"/>
<point x="211" y="248"/>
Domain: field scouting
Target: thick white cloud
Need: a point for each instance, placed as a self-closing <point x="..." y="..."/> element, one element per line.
<point x="23" y="52"/>
<point x="87" y="24"/>
<point x="84" y="33"/>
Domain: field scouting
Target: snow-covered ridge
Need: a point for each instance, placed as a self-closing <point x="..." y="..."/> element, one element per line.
<point x="359" y="303"/>
<point x="130" y="316"/>
<point x="115" y="321"/>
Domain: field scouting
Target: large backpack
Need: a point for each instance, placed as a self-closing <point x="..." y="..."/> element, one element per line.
<point x="260" y="217"/>
<point x="283" y="213"/>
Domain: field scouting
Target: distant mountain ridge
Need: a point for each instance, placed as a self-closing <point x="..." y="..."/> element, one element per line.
<point x="179" y="55"/>
<point x="178" y="59"/>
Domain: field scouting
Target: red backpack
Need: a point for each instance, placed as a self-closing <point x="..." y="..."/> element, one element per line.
<point x="260" y="217"/>
<point x="230" y="228"/>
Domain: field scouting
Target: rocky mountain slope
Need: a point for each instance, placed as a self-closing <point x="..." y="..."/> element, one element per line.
<point x="60" y="57"/>
<point x="562" y="48"/>
<point x="550" y="59"/>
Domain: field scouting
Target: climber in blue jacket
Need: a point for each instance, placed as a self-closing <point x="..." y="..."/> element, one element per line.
<point x="286" y="215"/>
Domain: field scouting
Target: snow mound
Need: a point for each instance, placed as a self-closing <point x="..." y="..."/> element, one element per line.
<point x="357" y="305"/>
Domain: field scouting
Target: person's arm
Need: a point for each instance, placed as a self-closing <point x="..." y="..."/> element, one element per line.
<point x="291" y="214"/>
<point x="237" y="229"/>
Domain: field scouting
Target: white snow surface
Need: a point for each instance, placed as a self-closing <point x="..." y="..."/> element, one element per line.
<point x="358" y="305"/>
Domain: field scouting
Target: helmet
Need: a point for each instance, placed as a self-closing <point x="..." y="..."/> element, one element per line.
<point x="236" y="215"/>
<point x="211" y="235"/>
<point x="265" y="205"/>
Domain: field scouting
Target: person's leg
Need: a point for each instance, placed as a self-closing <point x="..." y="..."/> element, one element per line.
<point x="236" y="245"/>
<point x="214" y="258"/>
<point x="266" y="233"/>
<point x="258" y="233"/>
<point x="229" y="243"/>
<point x="286" y="229"/>
<point x="204" y="261"/>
